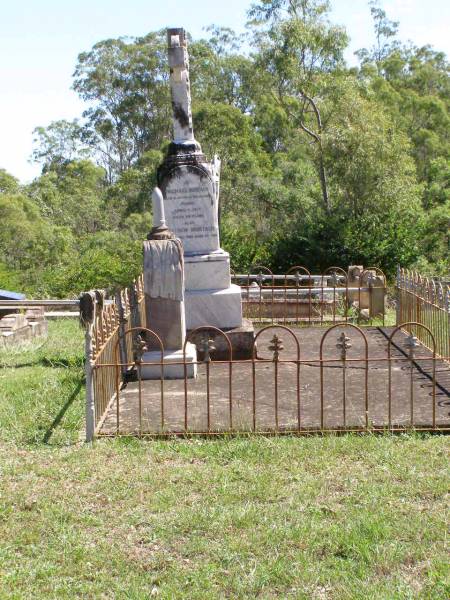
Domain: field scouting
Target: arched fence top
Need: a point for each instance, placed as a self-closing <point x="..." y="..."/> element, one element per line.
<point x="284" y="328"/>
<point x="259" y="268"/>
<point x="410" y="324"/>
<point x="346" y="326"/>
<point x="208" y="348"/>
<point x="335" y="271"/>
<point x="135" y="332"/>
<point x="297" y="268"/>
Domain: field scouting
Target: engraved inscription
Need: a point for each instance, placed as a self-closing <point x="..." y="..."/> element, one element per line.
<point x="191" y="211"/>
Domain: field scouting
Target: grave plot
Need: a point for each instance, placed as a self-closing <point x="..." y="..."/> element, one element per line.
<point x="309" y="379"/>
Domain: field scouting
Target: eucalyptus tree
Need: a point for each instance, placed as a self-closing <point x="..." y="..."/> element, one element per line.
<point x="125" y="82"/>
<point x="59" y="143"/>
<point x="385" y="37"/>
<point x="300" y="54"/>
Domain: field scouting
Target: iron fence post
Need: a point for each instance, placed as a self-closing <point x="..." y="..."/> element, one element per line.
<point x="446" y="349"/>
<point x="122" y="340"/>
<point x="90" y="397"/>
<point x="87" y="319"/>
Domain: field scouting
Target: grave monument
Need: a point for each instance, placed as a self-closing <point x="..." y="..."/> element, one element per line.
<point x="190" y="187"/>
<point x="164" y="302"/>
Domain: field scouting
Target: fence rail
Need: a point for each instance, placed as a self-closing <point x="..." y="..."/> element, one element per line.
<point x="19" y="304"/>
<point x="347" y="380"/>
<point x="427" y="302"/>
<point x="107" y="342"/>
<point x="300" y="297"/>
<point x="367" y="384"/>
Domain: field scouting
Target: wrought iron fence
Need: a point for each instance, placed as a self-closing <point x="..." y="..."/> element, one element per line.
<point x="348" y="379"/>
<point x="107" y="323"/>
<point x="296" y="381"/>
<point x="300" y="297"/>
<point x="427" y="302"/>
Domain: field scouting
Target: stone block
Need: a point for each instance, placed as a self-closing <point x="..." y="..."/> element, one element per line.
<point x="378" y="294"/>
<point x="241" y="340"/>
<point x="207" y="271"/>
<point x="217" y="308"/>
<point x="35" y="314"/>
<point x="353" y="276"/>
<point x="39" y="328"/>
<point x="166" y="318"/>
<point x="13" y="322"/>
<point x="173" y="364"/>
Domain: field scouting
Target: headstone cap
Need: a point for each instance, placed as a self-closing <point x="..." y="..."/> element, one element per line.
<point x="173" y="34"/>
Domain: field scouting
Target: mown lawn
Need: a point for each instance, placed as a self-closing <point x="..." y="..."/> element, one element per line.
<point x="333" y="517"/>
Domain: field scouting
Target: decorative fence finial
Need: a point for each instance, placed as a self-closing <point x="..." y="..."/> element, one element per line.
<point x="344" y="343"/>
<point x="276" y="346"/>
<point x="100" y="296"/>
<point x="87" y="309"/>
<point x="139" y="348"/>
<point x="411" y="344"/>
<point x="206" y="346"/>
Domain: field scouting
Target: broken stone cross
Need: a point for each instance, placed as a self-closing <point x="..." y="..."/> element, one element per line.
<point x="180" y="86"/>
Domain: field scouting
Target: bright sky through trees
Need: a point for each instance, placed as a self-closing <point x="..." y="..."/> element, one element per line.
<point x="40" y="41"/>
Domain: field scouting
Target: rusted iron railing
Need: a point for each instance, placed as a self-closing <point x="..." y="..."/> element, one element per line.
<point x="300" y="297"/>
<point x="345" y="379"/>
<point x="107" y="322"/>
<point x="427" y="302"/>
<point x="297" y="381"/>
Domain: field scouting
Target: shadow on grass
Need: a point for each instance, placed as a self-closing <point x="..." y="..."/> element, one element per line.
<point x="57" y="420"/>
<point x="48" y="362"/>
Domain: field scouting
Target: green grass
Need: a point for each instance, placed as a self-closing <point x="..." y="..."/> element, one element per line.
<point x="333" y="517"/>
<point x="38" y="380"/>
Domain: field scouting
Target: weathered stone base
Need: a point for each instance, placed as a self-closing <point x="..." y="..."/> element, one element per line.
<point x="173" y="364"/>
<point x="24" y="334"/>
<point x="166" y="318"/>
<point x="212" y="270"/>
<point x="241" y="339"/>
<point x="217" y="308"/>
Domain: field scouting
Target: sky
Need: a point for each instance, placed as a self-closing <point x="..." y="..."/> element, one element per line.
<point x="41" y="39"/>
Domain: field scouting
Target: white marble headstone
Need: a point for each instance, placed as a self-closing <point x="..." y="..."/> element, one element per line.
<point x="191" y="209"/>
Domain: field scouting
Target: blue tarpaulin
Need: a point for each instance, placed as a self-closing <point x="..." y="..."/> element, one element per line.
<point x="7" y="295"/>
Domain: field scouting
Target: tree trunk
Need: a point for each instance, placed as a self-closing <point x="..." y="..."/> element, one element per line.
<point x="323" y="181"/>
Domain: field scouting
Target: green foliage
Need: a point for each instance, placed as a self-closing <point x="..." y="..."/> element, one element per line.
<point x="321" y="164"/>
<point x="107" y="260"/>
<point x="25" y="236"/>
<point x="132" y="191"/>
<point x="71" y="195"/>
<point x="126" y="83"/>
<point x="59" y="143"/>
<point x="8" y="183"/>
<point x="9" y="279"/>
<point x="245" y="246"/>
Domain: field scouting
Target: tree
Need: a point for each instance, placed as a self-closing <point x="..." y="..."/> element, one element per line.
<point x="299" y="52"/>
<point x="385" y="36"/>
<point x="375" y="185"/>
<point x="126" y="83"/>
<point x="8" y="183"/>
<point x="414" y="86"/>
<point x="71" y="195"/>
<point x="58" y="144"/>
<point x="28" y="242"/>
<point x="220" y="72"/>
